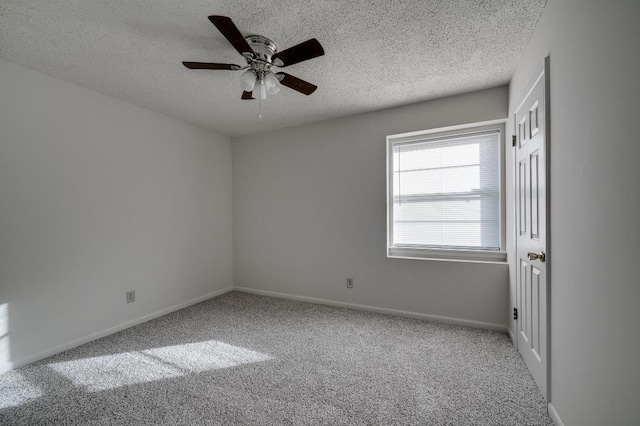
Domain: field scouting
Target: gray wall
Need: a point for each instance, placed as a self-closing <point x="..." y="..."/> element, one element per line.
<point x="595" y="204"/>
<point x="310" y="211"/>
<point x="98" y="196"/>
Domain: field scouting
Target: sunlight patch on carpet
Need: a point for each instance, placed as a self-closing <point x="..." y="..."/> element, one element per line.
<point x="124" y="369"/>
<point x="16" y="390"/>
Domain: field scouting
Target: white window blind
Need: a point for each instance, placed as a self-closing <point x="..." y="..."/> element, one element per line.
<point x="446" y="192"/>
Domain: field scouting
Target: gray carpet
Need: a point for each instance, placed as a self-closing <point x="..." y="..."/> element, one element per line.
<point x="246" y="359"/>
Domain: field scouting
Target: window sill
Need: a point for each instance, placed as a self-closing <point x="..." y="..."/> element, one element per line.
<point x="471" y="256"/>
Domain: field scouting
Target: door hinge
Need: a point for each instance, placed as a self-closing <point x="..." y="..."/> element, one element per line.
<point x="513" y="140"/>
<point x="515" y="313"/>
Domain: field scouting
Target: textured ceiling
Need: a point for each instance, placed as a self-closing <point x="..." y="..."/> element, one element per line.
<point x="379" y="53"/>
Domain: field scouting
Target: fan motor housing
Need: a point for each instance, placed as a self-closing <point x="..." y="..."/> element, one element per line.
<point x="263" y="48"/>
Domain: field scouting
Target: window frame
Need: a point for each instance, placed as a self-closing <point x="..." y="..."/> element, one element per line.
<point x="452" y="254"/>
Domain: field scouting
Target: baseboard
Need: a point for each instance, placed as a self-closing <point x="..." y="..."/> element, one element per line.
<point x="554" y="415"/>
<point x="93" y="336"/>
<point x="512" y="336"/>
<point x="407" y="314"/>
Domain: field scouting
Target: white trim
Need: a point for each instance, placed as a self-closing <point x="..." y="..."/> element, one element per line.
<point x="549" y="261"/>
<point x="409" y="135"/>
<point x="512" y="336"/>
<point x="476" y="256"/>
<point x="553" y="413"/>
<point x="387" y="311"/>
<point x="93" y="336"/>
<point x="423" y="253"/>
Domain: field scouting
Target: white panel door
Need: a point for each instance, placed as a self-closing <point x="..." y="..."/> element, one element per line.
<point x="532" y="291"/>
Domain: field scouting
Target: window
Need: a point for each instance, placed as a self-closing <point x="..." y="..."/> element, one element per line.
<point x="445" y="194"/>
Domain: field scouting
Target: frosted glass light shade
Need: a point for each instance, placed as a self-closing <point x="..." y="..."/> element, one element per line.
<point x="272" y="83"/>
<point x="260" y="90"/>
<point x="263" y="91"/>
<point x="248" y="80"/>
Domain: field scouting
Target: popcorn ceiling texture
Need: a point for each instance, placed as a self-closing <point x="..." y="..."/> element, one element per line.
<point x="254" y="360"/>
<point x="379" y="53"/>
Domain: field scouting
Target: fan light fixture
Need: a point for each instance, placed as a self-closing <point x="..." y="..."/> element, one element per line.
<point x="261" y="83"/>
<point x="261" y="54"/>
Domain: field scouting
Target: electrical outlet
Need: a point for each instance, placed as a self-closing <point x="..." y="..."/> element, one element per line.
<point x="349" y="282"/>
<point x="131" y="296"/>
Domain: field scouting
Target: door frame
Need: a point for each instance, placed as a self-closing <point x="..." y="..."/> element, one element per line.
<point x="512" y="262"/>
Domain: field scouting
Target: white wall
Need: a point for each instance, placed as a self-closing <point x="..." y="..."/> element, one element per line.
<point x="310" y="211"/>
<point x="595" y="204"/>
<point x="98" y="196"/>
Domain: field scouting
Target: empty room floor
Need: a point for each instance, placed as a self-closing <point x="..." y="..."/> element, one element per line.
<point x="246" y="359"/>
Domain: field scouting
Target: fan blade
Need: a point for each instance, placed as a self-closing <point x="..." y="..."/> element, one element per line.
<point x="228" y="29"/>
<point x="210" y="66"/>
<point x="296" y="84"/>
<point x="298" y="53"/>
<point x="247" y="95"/>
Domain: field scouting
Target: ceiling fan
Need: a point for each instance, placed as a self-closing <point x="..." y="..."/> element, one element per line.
<point x="261" y="54"/>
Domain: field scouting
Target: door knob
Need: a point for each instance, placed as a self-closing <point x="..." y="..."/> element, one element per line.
<point x="537" y="256"/>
